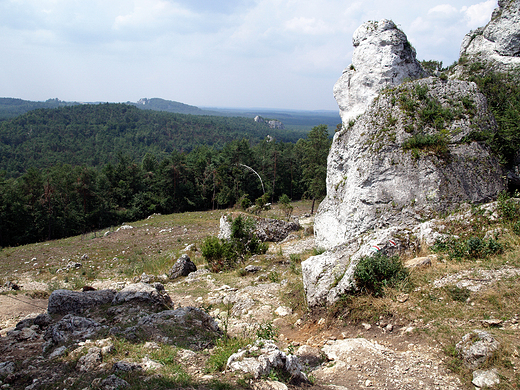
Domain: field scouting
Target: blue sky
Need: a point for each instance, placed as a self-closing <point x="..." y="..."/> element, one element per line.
<point x="284" y="54"/>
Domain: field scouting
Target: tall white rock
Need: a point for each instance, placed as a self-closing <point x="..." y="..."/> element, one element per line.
<point x="382" y="57"/>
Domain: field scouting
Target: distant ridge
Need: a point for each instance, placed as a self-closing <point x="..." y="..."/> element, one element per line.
<point x="158" y="104"/>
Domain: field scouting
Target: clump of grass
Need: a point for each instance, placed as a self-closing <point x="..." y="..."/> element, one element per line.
<point x="223" y="350"/>
<point x="457" y="293"/>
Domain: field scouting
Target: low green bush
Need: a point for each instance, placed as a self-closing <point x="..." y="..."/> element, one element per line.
<point x="471" y="248"/>
<point x="227" y="254"/>
<point x="376" y="272"/>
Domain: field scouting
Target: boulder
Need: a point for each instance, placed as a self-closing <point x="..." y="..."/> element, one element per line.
<point x="497" y="43"/>
<point x="183" y="267"/>
<point x="382" y="57"/>
<point x="75" y="302"/>
<point x="90" y="361"/>
<point x="476" y="348"/>
<point x="142" y="292"/>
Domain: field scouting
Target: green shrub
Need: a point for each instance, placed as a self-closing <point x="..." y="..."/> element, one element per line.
<point x="285" y="205"/>
<point x="376" y="272"/>
<point x="227" y="254"/>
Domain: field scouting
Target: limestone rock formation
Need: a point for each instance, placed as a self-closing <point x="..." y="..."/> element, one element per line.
<point x="498" y="43"/>
<point x="409" y="157"/>
<point x="266" y="229"/>
<point x="382" y="57"/>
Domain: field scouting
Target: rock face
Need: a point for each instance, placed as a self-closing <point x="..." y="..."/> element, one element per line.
<point x="409" y="157"/>
<point x="406" y="158"/>
<point x="499" y="40"/>
<point x="382" y="57"/>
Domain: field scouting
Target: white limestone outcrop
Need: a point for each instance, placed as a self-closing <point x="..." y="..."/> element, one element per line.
<point x="408" y="158"/>
<point x="499" y="40"/>
<point x="382" y="57"/>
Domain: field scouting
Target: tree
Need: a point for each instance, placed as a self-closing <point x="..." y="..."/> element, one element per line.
<point x="313" y="153"/>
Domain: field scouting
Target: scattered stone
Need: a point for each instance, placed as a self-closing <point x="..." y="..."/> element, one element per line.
<point x="366" y="326"/>
<point x="269" y="385"/>
<point x="149" y="364"/>
<point x="253" y="268"/>
<point x="84" y="257"/>
<point x="262" y="357"/>
<point x="58" y="352"/>
<point x="487" y="378"/>
<point x="7" y="368"/>
<point x="183" y="267"/>
<point x="126" y="366"/>
<point x="309" y="356"/>
<point x="476" y="347"/>
<point x="90" y="361"/>
<point x="11" y="286"/>
<point x="402" y="298"/>
<point x="113" y="383"/>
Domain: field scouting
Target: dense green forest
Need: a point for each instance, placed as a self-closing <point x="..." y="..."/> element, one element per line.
<point x="11" y="107"/>
<point x="93" y="135"/>
<point x="64" y="199"/>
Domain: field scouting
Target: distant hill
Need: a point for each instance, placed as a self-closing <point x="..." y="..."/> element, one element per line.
<point x="93" y="135"/>
<point x="11" y="107"/>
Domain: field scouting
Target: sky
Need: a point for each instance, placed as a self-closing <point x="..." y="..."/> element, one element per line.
<point x="276" y="54"/>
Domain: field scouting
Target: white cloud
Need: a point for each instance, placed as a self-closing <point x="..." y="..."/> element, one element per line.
<point x="443" y="9"/>
<point x="478" y="14"/>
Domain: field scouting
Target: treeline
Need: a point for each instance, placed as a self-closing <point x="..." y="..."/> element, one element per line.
<point x="93" y="135"/>
<point x="65" y="200"/>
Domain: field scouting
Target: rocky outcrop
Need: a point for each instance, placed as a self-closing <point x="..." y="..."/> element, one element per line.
<point x="476" y="348"/>
<point x="410" y="156"/>
<point x="498" y="43"/>
<point x="382" y="57"/>
<point x="272" y="123"/>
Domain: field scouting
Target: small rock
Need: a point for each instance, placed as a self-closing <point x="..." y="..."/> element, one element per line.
<point x="389" y="328"/>
<point x="253" y="268"/>
<point x="283" y="311"/>
<point x="491" y="322"/>
<point x="418" y="262"/>
<point x="402" y="298"/>
<point x="483" y="378"/>
<point x="366" y="326"/>
<point x="368" y="383"/>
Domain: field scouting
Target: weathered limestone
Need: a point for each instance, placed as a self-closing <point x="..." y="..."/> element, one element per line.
<point x="409" y="157"/>
<point x="382" y="57"/>
<point x="499" y="41"/>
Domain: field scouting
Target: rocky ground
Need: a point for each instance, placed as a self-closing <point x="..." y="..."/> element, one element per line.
<point x="396" y="342"/>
